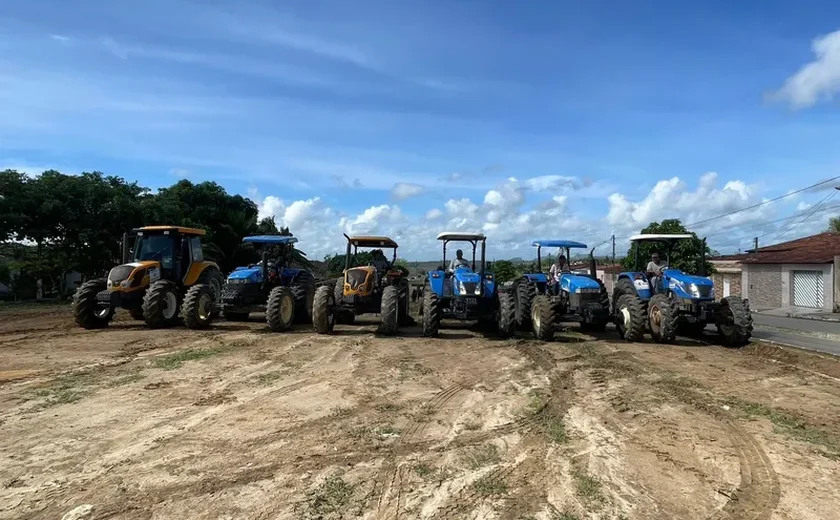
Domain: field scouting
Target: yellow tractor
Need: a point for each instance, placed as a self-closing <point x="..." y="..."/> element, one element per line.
<point x="378" y="288"/>
<point x="152" y="281"/>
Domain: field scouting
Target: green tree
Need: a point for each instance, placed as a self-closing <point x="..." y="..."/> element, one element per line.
<point x="684" y="256"/>
<point x="505" y="271"/>
<point x="834" y="224"/>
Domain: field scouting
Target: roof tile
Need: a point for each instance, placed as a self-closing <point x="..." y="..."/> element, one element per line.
<point x="815" y="249"/>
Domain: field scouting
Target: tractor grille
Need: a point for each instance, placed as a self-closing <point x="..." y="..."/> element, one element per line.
<point x="705" y="290"/>
<point x="242" y="294"/>
<point x="356" y="278"/>
<point x="469" y="287"/>
<point x="120" y="273"/>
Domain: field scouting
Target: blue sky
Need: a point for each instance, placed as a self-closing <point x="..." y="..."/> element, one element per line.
<point x="410" y="117"/>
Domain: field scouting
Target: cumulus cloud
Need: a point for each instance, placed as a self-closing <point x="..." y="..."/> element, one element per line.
<point x="405" y="190"/>
<point x="373" y="221"/>
<point x="434" y="214"/>
<point x="817" y="80"/>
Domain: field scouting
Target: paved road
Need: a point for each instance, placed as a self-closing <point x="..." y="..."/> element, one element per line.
<point x="767" y="327"/>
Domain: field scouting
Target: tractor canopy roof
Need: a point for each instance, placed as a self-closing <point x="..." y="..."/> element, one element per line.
<point x="558" y="243"/>
<point x="372" y="241"/>
<point x="460" y="235"/>
<point x="177" y="229"/>
<point x="662" y="237"/>
<point x="270" y="239"/>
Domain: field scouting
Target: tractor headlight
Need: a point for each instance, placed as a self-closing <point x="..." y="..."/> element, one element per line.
<point x="461" y="288"/>
<point x="477" y="289"/>
<point x="125" y="284"/>
<point x="110" y="284"/>
<point x="693" y="290"/>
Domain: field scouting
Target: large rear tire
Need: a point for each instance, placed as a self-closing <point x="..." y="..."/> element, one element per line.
<point x="662" y="318"/>
<point x="85" y="311"/>
<point x="280" y="309"/>
<point x="630" y="322"/>
<point x="506" y="315"/>
<point x="543" y="318"/>
<point x="160" y="304"/>
<point x="739" y="332"/>
<point x="431" y="314"/>
<point x="197" y="308"/>
<point x="303" y="290"/>
<point x="525" y="292"/>
<point x="212" y="277"/>
<point x="323" y="315"/>
<point x="390" y="311"/>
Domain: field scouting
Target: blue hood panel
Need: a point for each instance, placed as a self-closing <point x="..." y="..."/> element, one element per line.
<point x="462" y="275"/>
<point x="537" y="277"/>
<point x="246" y="275"/>
<point x="571" y="283"/>
<point x="676" y="274"/>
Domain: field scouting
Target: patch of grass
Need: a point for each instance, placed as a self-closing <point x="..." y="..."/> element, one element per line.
<point x="177" y="359"/>
<point x="269" y="378"/>
<point x="126" y="380"/>
<point x="564" y="515"/>
<point x="67" y="389"/>
<point x="586" y="486"/>
<point x="386" y="430"/>
<point x="472" y="425"/>
<point x="424" y="471"/>
<point x="548" y="420"/>
<point x="792" y="426"/>
<point x="491" y="485"/>
<point x="331" y="499"/>
<point x="478" y="457"/>
<point x="340" y="413"/>
<point x="387" y="407"/>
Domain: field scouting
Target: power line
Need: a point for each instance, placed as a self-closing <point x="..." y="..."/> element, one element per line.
<point x="725" y="230"/>
<point x="780" y="197"/>
<point x="813" y="211"/>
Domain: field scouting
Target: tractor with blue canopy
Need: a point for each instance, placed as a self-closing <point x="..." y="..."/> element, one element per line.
<point x="665" y="301"/>
<point x="284" y="293"/>
<point x="467" y="291"/>
<point x="542" y="303"/>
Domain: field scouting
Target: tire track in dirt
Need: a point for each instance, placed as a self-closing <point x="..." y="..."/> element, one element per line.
<point x="388" y="484"/>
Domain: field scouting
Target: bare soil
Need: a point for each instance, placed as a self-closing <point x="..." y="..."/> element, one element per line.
<point x="236" y="422"/>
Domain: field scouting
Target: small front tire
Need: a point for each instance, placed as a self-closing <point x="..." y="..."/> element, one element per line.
<point x="506" y="316"/>
<point x="390" y="311"/>
<point x="543" y="318"/>
<point x="280" y="309"/>
<point x="160" y="304"/>
<point x="197" y="308"/>
<point x="431" y="314"/>
<point x="86" y="312"/>
<point x="323" y="310"/>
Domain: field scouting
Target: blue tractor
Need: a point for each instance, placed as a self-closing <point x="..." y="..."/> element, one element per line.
<point x="283" y="293"/>
<point x="466" y="291"/>
<point x="541" y="303"/>
<point x="666" y="301"/>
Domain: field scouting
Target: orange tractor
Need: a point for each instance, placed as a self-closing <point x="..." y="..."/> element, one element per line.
<point x="152" y="281"/>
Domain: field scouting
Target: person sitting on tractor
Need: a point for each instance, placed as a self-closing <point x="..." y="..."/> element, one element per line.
<point x="378" y="260"/>
<point x="654" y="269"/>
<point x="560" y="266"/>
<point x="458" y="261"/>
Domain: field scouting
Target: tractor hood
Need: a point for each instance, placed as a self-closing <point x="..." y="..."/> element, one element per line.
<point x="246" y="275"/>
<point x="129" y="275"/>
<point x="463" y="275"/>
<point x="688" y="285"/>
<point x="537" y="277"/>
<point x="578" y="283"/>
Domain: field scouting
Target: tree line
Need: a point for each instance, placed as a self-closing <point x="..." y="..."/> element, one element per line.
<point x="53" y="224"/>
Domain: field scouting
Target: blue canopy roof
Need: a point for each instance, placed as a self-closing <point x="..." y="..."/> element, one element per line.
<point x="558" y="243"/>
<point x="270" y="239"/>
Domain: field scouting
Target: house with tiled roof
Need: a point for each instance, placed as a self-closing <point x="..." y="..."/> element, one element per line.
<point x="799" y="273"/>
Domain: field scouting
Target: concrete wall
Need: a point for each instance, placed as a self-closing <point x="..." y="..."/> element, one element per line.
<point x="828" y="283"/>
<point x="762" y="285"/>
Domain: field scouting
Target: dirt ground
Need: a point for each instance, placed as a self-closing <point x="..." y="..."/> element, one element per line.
<point x="238" y="423"/>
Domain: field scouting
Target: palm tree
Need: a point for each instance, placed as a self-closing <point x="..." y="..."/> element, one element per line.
<point x="834" y="224"/>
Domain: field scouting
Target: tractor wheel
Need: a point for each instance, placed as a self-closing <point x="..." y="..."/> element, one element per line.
<point x="280" y="309"/>
<point x="738" y="333"/>
<point x="212" y="277"/>
<point x="85" y="312"/>
<point x="431" y="314"/>
<point x="629" y="317"/>
<point x="624" y="286"/>
<point x="303" y="290"/>
<point x="136" y="313"/>
<point x="160" y="304"/>
<point x="506" y="315"/>
<point x="543" y="318"/>
<point x="197" y="308"/>
<point x="524" y="293"/>
<point x="342" y="316"/>
<point x="390" y="311"/>
<point x="405" y="308"/>
<point x="235" y="316"/>
<point x="662" y="316"/>
<point x="323" y="310"/>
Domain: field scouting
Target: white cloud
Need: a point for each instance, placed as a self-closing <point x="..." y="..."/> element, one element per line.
<point x="405" y="190"/>
<point x="373" y="221"/>
<point x="817" y="80"/>
<point x="551" y="182"/>
<point x="434" y="214"/>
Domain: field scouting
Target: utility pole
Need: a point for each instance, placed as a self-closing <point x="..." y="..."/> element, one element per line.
<point x="613" y="245"/>
<point x="755" y="244"/>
